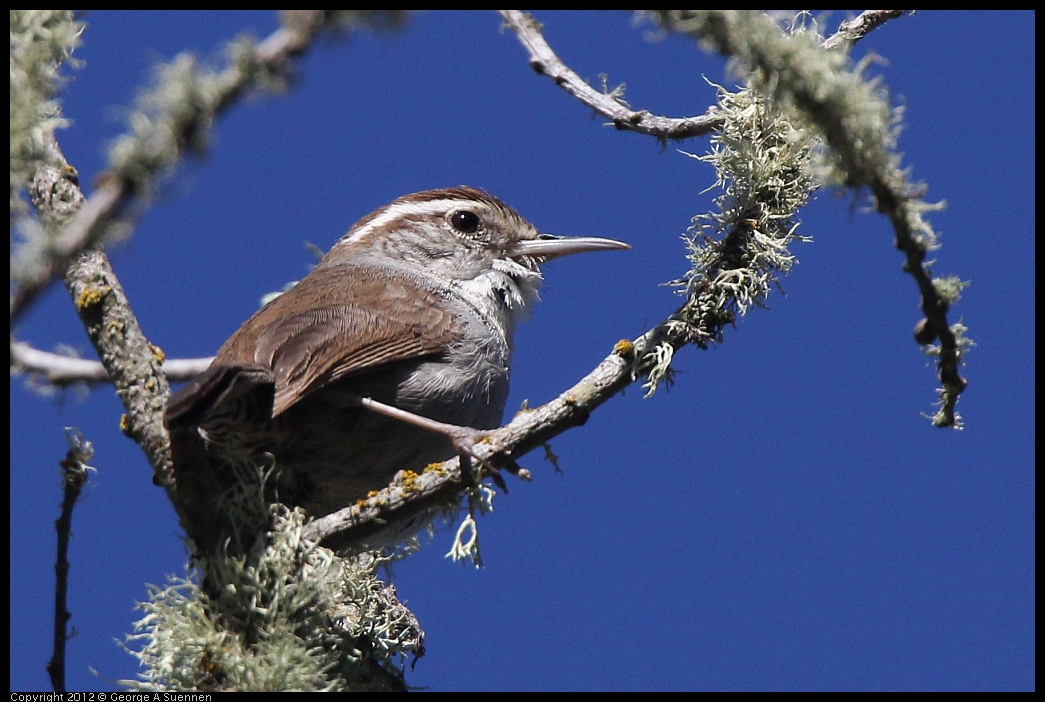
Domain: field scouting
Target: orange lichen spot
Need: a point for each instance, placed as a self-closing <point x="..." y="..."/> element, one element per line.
<point x="409" y="480"/>
<point x="624" y="348"/>
<point x="92" y="295"/>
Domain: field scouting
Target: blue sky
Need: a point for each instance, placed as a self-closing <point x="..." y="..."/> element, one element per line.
<point x="783" y="518"/>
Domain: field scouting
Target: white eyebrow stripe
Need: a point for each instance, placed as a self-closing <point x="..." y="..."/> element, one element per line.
<point x="402" y="209"/>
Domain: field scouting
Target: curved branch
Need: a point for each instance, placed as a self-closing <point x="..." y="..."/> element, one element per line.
<point x="544" y="61"/>
<point x="855" y="123"/>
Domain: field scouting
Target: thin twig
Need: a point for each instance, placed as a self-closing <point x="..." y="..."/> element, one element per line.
<point x="74" y="471"/>
<point x="852" y="31"/>
<point x="544" y="61"/>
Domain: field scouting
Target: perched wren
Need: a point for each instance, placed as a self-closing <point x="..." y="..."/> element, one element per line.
<point x="415" y="308"/>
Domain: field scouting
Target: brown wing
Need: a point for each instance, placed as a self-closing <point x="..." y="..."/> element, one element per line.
<point x="328" y="327"/>
<point x="212" y="388"/>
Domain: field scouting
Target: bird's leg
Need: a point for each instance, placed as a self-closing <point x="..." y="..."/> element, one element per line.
<point x="463" y="438"/>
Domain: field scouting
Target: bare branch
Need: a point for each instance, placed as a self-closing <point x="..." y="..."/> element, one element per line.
<point x="66" y="370"/>
<point x="74" y="470"/>
<point x="544" y="61"/>
<point x="852" y="31"/>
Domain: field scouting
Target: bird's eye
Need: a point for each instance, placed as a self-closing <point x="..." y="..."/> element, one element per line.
<point x="465" y="221"/>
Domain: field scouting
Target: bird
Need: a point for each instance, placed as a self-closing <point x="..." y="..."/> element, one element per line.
<point x="413" y="312"/>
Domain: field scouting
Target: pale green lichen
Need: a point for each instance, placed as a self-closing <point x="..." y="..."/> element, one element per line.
<point x="465" y="548"/>
<point x="851" y="130"/>
<point x="289" y="615"/>
<point x="42" y="41"/>
<point x="737" y="251"/>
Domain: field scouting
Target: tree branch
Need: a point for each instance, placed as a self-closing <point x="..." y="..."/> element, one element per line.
<point x="74" y="471"/>
<point x="852" y="31"/>
<point x="61" y="370"/>
<point x="858" y="125"/>
<point x="180" y="112"/>
<point x="175" y="119"/>
<point x="391" y="514"/>
<point x="544" y="61"/>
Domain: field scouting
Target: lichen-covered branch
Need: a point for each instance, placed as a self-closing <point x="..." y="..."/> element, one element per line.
<point x="738" y="249"/>
<point x="173" y="119"/>
<point x="763" y="162"/>
<point x="289" y="615"/>
<point x="130" y="361"/>
<point x="858" y="125"/>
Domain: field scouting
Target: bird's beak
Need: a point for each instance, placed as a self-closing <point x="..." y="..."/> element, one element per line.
<point x="548" y="246"/>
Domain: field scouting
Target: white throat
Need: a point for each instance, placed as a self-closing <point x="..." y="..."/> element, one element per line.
<point x="502" y="295"/>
